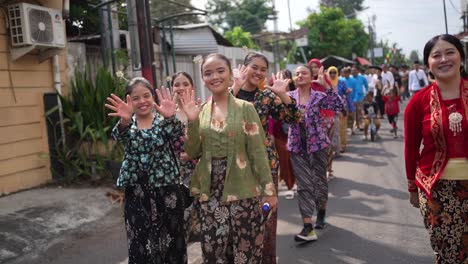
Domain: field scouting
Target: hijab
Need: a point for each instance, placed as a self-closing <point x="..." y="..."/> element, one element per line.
<point x="316" y="86"/>
<point x="334" y="81"/>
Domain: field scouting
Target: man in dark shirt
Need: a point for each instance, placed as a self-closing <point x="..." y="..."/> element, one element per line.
<point x="370" y="109"/>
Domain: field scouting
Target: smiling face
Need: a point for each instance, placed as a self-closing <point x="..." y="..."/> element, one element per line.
<point x="302" y="77"/>
<point x="216" y="75"/>
<point x="257" y="71"/>
<point x="181" y="84"/>
<point x="315" y="69"/>
<point x="142" y="100"/>
<point x="444" y="60"/>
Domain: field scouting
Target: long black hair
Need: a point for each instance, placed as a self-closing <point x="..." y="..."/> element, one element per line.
<point x="177" y="74"/>
<point x="252" y="55"/>
<point x="217" y="56"/>
<point x="450" y="39"/>
<point x="139" y="81"/>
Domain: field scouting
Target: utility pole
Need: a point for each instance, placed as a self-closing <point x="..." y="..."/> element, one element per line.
<point x="464" y="10"/>
<point x="275" y="38"/>
<point x="290" y="21"/>
<point x="371" y="41"/>
<point x="134" y="43"/>
<point x="445" y="15"/>
<point x="145" y="34"/>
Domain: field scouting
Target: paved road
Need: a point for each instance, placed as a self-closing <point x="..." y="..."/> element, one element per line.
<point x="370" y="219"/>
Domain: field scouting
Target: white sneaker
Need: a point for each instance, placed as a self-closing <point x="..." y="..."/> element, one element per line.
<point x="289" y="195"/>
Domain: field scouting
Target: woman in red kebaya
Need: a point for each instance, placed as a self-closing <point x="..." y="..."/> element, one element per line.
<point x="436" y="116"/>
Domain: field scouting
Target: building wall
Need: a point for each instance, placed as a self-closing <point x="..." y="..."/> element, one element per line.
<point x="23" y="138"/>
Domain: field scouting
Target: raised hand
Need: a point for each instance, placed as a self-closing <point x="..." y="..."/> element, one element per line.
<point x="321" y="78"/>
<point x="121" y="109"/>
<point x="279" y="84"/>
<point x="240" y="78"/>
<point x="167" y="105"/>
<point x="190" y="107"/>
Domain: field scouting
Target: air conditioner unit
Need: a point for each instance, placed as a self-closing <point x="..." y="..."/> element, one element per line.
<point x="32" y="25"/>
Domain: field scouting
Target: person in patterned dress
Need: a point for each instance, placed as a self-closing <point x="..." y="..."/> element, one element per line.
<point x="154" y="205"/>
<point x="181" y="83"/>
<point x="436" y="150"/>
<point x="233" y="171"/>
<point x="308" y="144"/>
<point x="271" y="102"/>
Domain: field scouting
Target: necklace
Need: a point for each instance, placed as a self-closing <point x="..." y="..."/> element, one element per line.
<point x="455" y="119"/>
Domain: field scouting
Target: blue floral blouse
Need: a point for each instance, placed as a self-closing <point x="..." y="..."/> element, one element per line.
<point x="147" y="151"/>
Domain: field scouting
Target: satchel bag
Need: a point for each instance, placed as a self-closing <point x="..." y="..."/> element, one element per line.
<point x="184" y="190"/>
<point x="421" y="81"/>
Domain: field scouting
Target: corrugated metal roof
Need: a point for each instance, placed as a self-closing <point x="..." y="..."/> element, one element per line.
<point x="196" y="39"/>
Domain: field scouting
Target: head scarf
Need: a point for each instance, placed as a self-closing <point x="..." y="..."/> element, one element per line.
<point x="334" y="81"/>
<point x="316" y="86"/>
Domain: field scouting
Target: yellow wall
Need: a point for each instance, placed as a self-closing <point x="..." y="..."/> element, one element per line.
<point x="23" y="135"/>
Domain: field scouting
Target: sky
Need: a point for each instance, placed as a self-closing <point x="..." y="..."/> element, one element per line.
<point x="409" y="23"/>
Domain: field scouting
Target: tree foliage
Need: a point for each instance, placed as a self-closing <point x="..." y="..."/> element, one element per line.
<point x="162" y="9"/>
<point x="84" y="19"/>
<point x="250" y="15"/>
<point x="349" y="7"/>
<point x="392" y="54"/>
<point x="239" y="38"/>
<point x="414" y="56"/>
<point x="330" y="33"/>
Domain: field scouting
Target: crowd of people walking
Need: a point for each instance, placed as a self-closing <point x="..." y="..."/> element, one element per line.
<point x="256" y="131"/>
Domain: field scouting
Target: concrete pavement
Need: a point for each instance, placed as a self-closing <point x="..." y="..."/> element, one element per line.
<point x="369" y="218"/>
<point x="64" y="225"/>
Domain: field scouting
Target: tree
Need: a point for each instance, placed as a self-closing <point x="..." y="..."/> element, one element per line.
<point x="84" y="18"/>
<point x="349" y="7"/>
<point x="162" y="9"/>
<point x="392" y="54"/>
<point x="239" y="38"/>
<point x="250" y="15"/>
<point x="414" y="56"/>
<point x="330" y="33"/>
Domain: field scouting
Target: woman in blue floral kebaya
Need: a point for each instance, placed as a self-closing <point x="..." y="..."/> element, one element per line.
<point x="154" y="206"/>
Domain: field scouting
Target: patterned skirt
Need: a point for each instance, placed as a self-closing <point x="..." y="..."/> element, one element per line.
<point x="446" y="219"/>
<point x="230" y="231"/>
<point x="154" y="220"/>
<point x="311" y="177"/>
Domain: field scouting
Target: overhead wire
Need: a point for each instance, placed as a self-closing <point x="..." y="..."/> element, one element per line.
<point x="451" y="3"/>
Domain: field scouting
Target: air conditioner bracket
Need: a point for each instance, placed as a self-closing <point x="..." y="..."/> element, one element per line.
<point x="45" y="54"/>
<point x="17" y="53"/>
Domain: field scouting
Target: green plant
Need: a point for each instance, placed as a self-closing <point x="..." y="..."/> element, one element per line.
<point x="87" y="127"/>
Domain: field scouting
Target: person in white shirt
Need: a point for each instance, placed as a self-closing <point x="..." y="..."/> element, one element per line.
<point x="417" y="79"/>
<point x="369" y="74"/>
<point x="387" y="76"/>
